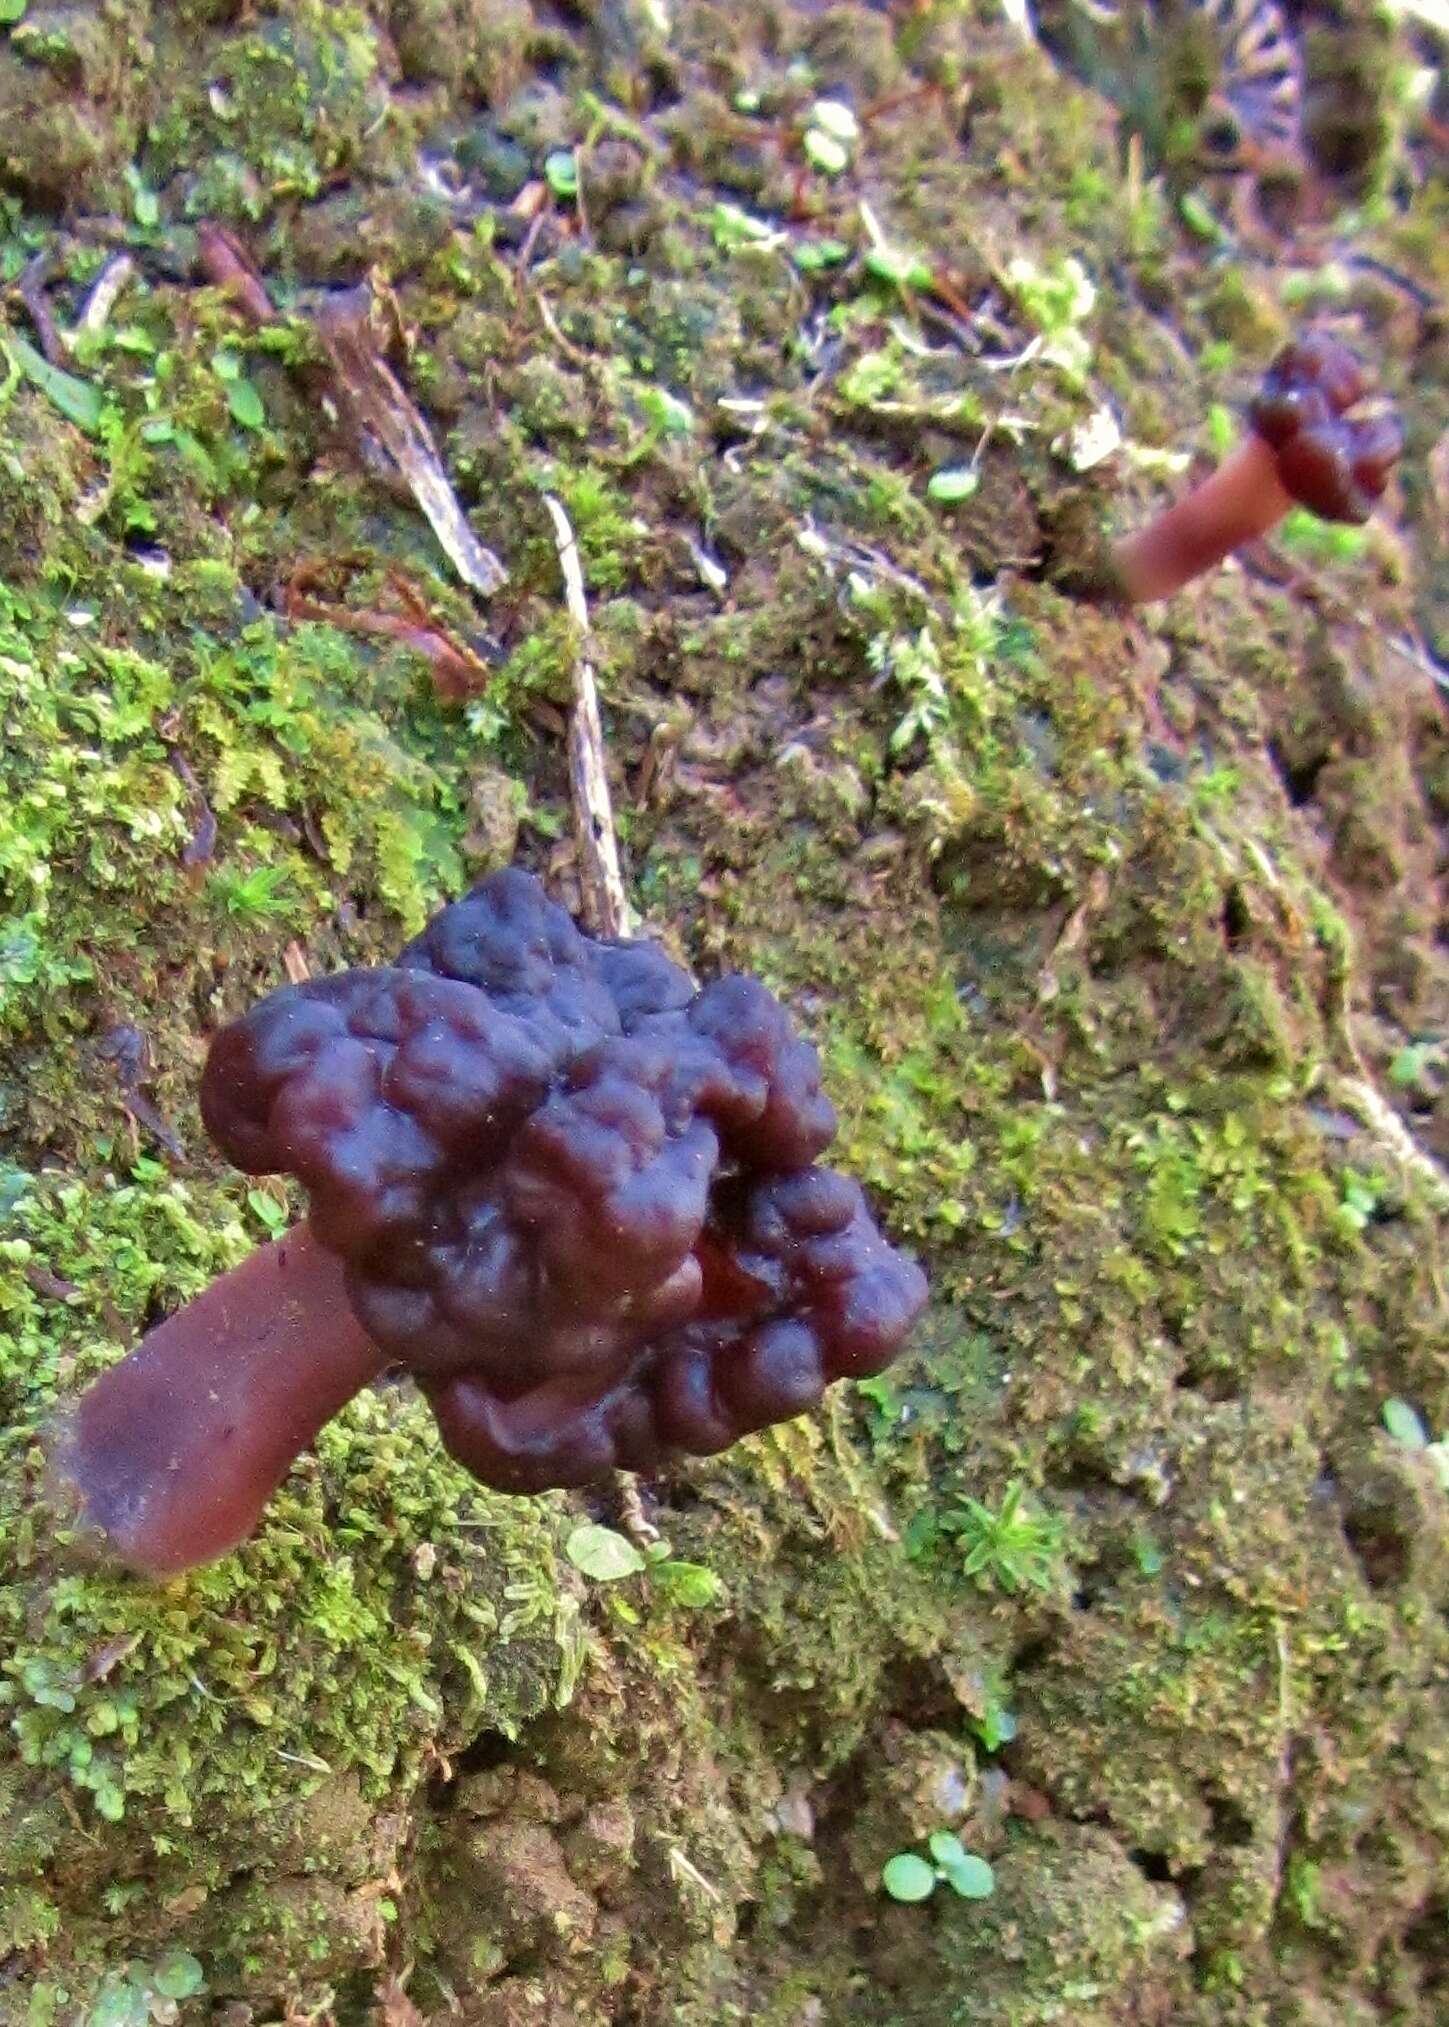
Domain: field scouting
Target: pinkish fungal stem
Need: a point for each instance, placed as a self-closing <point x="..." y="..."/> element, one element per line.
<point x="173" y="1453"/>
<point x="1242" y="501"/>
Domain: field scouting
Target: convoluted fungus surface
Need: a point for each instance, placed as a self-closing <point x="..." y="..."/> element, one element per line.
<point x="1328" y="461"/>
<point x="575" y="1197"/>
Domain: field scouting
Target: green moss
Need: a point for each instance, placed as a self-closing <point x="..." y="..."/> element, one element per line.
<point x="386" y="1611"/>
<point x="1073" y="1930"/>
<point x="477" y="45"/>
<point x="287" y="103"/>
<point x="73" y="88"/>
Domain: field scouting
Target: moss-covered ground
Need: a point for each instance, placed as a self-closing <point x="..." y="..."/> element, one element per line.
<point x="1123" y="939"/>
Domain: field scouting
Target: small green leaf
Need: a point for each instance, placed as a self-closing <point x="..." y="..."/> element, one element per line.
<point x="1149" y="1556"/>
<point x="43" y="1683"/>
<point x="997" y="1728"/>
<point x="144" y="202"/>
<point x="78" y="400"/>
<point x="1222" y="430"/>
<point x="273" y="1215"/>
<point x="1409" y="1065"/>
<point x="687" y="1583"/>
<point x="669" y="415"/>
<point x="561" y="172"/>
<point x="119" y="2003"/>
<point x="477" y="1674"/>
<point x="814" y="254"/>
<point x="901" y="269"/>
<point x="1322" y="541"/>
<point x="12" y="11"/>
<point x="946" y="1847"/>
<point x="110" y="1803"/>
<point x="178" y="1975"/>
<point x="245" y="404"/>
<point x="1198" y="217"/>
<point x="735" y="229"/>
<point x="952" y="484"/>
<point x="835" y="118"/>
<point x="1404" y="1424"/>
<point x="602" y="1554"/>
<point x="972" y="1877"/>
<point x="825" y="153"/>
<point x="907" y="1877"/>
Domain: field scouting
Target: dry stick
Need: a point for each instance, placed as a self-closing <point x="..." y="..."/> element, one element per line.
<point x="30" y="287"/>
<point x="112" y="280"/>
<point x="369" y="396"/>
<point x="605" y="909"/>
<point x="637" y="1524"/>
<point x="371" y="393"/>
<point x="1361" y="1096"/>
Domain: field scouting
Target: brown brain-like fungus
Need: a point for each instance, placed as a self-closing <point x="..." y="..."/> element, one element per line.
<point x="1304" y="446"/>
<point x="576" y="1198"/>
<point x="1334" y="464"/>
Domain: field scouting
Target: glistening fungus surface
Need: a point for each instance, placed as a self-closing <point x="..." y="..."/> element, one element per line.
<point x="1121" y="941"/>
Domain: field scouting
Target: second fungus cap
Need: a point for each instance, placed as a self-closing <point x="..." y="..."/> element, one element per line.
<point x="1329" y="462"/>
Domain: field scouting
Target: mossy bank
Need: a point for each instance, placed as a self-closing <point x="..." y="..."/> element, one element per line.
<point x="1122" y="941"/>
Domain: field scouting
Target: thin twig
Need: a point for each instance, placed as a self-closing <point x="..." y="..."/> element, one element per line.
<point x="30" y="287"/>
<point x="1361" y="1097"/>
<point x="228" y="266"/>
<point x="605" y="908"/>
<point x="530" y="238"/>
<point x="367" y="395"/>
<point x="113" y="278"/>
<point x="637" y="1524"/>
<point x="371" y="397"/>
<point x="550" y="323"/>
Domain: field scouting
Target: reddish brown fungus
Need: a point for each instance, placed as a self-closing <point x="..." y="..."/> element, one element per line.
<point x="577" y="1199"/>
<point x="1303" y="445"/>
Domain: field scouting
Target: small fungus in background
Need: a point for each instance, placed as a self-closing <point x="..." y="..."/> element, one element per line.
<point x="1303" y="446"/>
<point x="578" y="1200"/>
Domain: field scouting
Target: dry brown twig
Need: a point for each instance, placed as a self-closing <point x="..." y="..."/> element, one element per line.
<point x="30" y="286"/>
<point x="113" y="279"/>
<point x="368" y="396"/>
<point x="606" y="911"/>
<point x="294" y="963"/>
<point x="229" y="266"/>
<point x="637" y="1524"/>
<point x="458" y="671"/>
<point x="371" y="398"/>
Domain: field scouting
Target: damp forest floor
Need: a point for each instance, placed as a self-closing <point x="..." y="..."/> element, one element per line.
<point x="1123" y="938"/>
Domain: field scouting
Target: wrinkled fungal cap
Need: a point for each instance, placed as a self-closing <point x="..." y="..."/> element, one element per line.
<point x="578" y="1199"/>
<point x="1333" y="465"/>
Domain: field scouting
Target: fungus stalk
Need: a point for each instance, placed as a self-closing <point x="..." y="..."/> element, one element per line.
<point x="173" y="1454"/>
<point x="1241" y="502"/>
<point x="1302" y="447"/>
